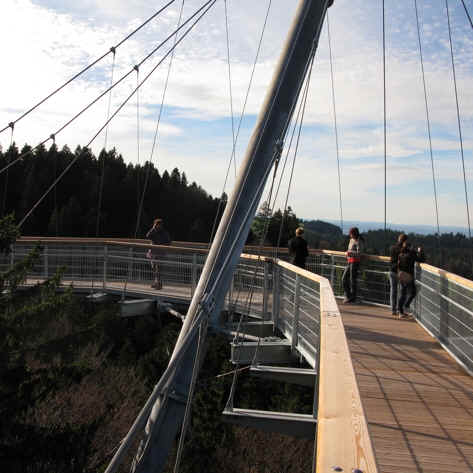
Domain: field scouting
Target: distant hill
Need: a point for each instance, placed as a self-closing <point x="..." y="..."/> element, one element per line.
<point x="418" y="229"/>
<point x="320" y="234"/>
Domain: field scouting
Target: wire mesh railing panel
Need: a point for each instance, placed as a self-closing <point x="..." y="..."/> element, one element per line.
<point x="445" y="308"/>
<point x="287" y="293"/>
<point x="247" y="293"/>
<point x="308" y="327"/>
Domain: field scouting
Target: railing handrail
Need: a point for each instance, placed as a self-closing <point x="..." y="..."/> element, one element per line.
<point x="445" y="274"/>
<point x="186" y="244"/>
<point x="341" y="420"/>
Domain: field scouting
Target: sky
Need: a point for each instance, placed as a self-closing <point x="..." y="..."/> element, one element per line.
<point x="46" y="42"/>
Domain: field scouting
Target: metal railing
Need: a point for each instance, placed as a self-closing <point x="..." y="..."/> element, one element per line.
<point x="444" y="305"/>
<point x="301" y="304"/>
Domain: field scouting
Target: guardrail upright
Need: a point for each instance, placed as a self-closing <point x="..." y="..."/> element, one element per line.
<point x="194" y="274"/>
<point x="45" y="262"/>
<point x="332" y="270"/>
<point x="276" y="270"/>
<point x="105" y="256"/>
<point x="266" y="273"/>
<point x="295" y="326"/>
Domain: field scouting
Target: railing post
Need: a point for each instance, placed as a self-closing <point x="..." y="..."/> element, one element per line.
<point x="45" y="262"/>
<point x="194" y="273"/>
<point x="276" y="294"/>
<point x="295" y="324"/>
<point x="332" y="271"/>
<point x="265" y="288"/>
<point x="130" y="264"/>
<point x="105" y="256"/>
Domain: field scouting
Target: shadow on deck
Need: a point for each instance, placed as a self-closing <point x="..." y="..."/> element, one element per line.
<point x="418" y="401"/>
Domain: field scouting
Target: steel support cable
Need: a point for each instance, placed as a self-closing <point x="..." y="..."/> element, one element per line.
<point x="111" y="50"/>
<point x="249" y="298"/>
<point x="209" y="289"/>
<point x="190" y="397"/>
<point x="156" y="131"/>
<point x="302" y="104"/>
<point x="427" y="114"/>
<point x="102" y="174"/>
<point x="230" y="79"/>
<point x="250" y="83"/>
<point x="289" y="148"/>
<point x="304" y="101"/>
<point x="5" y="189"/>
<point x="209" y="4"/>
<point x="459" y="126"/>
<point x="159" y="389"/>
<point x="467" y="14"/>
<point x="138" y="136"/>
<point x="384" y="120"/>
<point x="335" y="123"/>
<point x="258" y="191"/>
<point x="248" y="304"/>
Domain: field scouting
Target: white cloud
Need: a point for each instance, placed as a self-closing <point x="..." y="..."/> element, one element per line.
<point x="50" y="40"/>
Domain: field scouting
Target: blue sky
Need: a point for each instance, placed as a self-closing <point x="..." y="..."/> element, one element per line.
<point x="47" y="41"/>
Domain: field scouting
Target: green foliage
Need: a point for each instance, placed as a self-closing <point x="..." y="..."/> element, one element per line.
<point x="272" y="228"/>
<point x="9" y="232"/>
<point x="72" y="209"/>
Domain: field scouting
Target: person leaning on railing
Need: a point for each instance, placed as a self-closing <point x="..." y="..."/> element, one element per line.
<point x="393" y="270"/>
<point x="159" y="236"/>
<point x="298" y="249"/>
<point x="406" y="267"/>
<point x="353" y="254"/>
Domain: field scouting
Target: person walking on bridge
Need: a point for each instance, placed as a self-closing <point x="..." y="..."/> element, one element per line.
<point x="353" y="254"/>
<point x="298" y="249"/>
<point x="159" y="236"/>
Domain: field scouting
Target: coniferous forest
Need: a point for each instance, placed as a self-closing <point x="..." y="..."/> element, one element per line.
<point x="100" y="196"/>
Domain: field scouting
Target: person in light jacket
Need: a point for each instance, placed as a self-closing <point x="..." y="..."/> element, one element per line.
<point x="353" y="254"/>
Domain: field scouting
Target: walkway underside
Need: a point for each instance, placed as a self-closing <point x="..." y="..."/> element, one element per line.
<point x="417" y="400"/>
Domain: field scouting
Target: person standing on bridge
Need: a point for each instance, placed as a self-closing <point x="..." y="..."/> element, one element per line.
<point x="394" y="251"/>
<point x="159" y="236"/>
<point x="298" y="249"/>
<point x="406" y="270"/>
<point x="353" y="254"/>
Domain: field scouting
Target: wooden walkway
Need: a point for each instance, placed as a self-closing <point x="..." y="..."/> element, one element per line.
<point x="418" y="401"/>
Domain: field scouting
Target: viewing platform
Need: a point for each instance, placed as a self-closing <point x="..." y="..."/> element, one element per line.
<point x="418" y="401"/>
<point x="390" y="394"/>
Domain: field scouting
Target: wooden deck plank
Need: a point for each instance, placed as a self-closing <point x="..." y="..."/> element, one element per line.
<point x="418" y="401"/>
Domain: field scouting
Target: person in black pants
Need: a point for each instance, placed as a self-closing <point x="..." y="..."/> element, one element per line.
<point x="298" y="249"/>
<point x="393" y="270"/>
<point x="406" y="264"/>
<point x="159" y="236"/>
<point x="353" y="254"/>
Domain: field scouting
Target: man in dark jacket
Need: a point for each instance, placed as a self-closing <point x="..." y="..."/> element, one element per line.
<point x="298" y="249"/>
<point x="393" y="277"/>
<point x="406" y="273"/>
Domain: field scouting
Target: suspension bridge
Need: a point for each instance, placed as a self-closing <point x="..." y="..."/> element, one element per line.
<point x="389" y="394"/>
